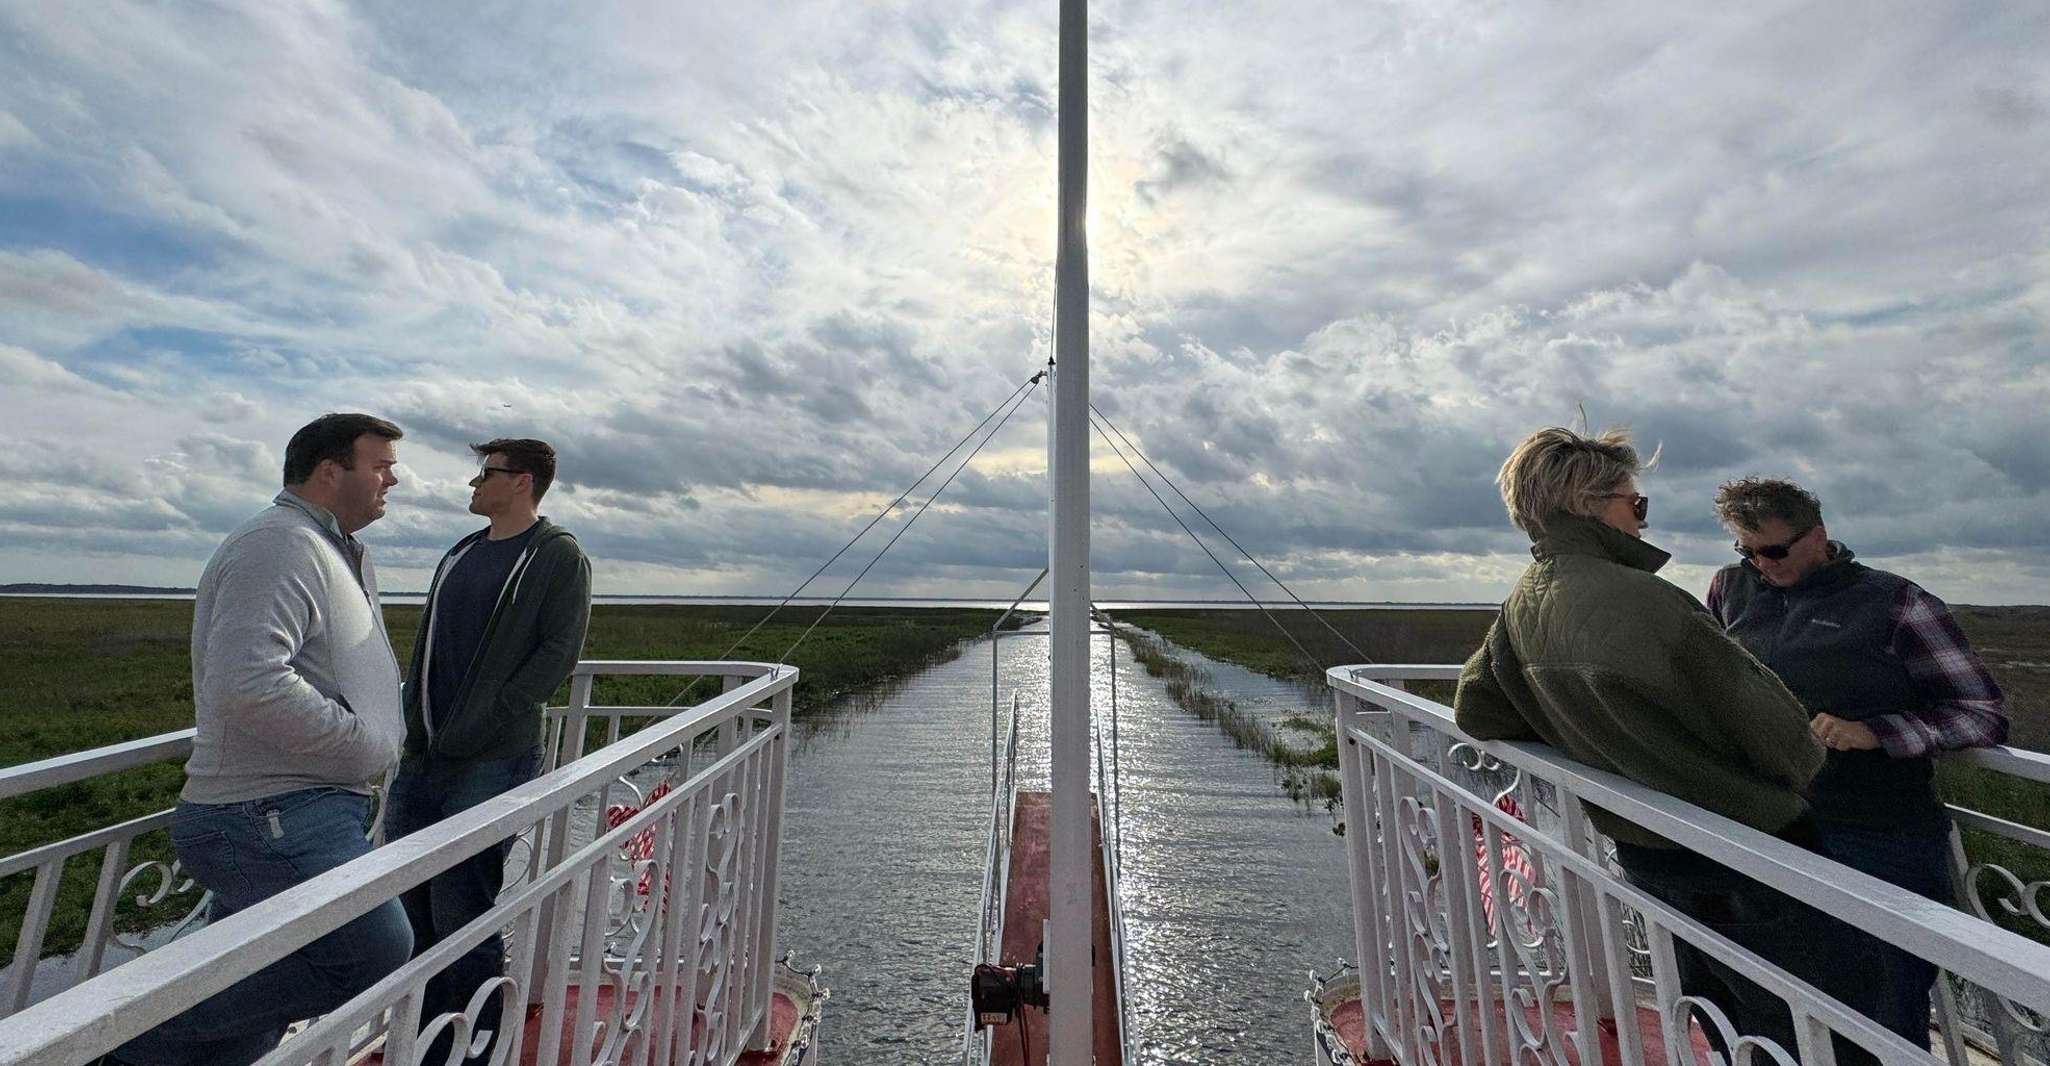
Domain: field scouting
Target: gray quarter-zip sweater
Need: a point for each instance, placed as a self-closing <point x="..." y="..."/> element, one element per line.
<point x="294" y="684"/>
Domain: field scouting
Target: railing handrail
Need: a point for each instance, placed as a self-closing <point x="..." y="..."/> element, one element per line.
<point x="81" y="765"/>
<point x="2015" y="762"/>
<point x="646" y="667"/>
<point x="77" y="766"/>
<point x="2001" y="961"/>
<point x="1399" y="671"/>
<point x="131" y="998"/>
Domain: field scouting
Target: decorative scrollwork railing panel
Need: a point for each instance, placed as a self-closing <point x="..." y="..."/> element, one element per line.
<point x="1475" y="863"/>
<point x="610" y="927"/>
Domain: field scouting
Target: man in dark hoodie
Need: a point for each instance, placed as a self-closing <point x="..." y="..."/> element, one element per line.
<point x="502" y="629"/>
<point x="1890" y="681"/>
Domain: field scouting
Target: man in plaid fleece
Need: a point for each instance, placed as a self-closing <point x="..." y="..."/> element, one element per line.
<point x="1889" y="680"/>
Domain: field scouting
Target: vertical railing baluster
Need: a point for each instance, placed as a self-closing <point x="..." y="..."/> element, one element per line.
<point x="1479" y="974"/>
<point x="1402" y="1010"/>
<point x="694" y="871"/>
<point x="757" y="778"/>
<point x="1455" y="844"/>
<point x="1506" y="959"/>
<point x="1952" y="1018"/>
<point x="1674" y="1021"/>
<point x="1949" y="1019"/>
<point x="772" y="840"/>
<point x="739" y="982"/>
<point x="551" y="737"/>
<point x="551" y="847"/>
<point x="1584" y="839"/>
<point x="559" y="915"/>
<point x="667" y="983"/>
<point x="591" y="958"/>
<point x="1812" y="1043"/>
<point x="28" y="944"/>
<point x="1360" y="801"/>
<point x="404" y="1031"/>
<point x="1622" y="992"/>
<point x="1589" y="1008"/>
<point x="527" y="935"/>
<point x="99" y="927"/>
<point x="655" y="943"/>
<point x="729" y="730"/>
<point x="575" y="717"/>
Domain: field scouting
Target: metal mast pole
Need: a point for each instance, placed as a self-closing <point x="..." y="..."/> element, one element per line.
<point x="1069" y="942"/>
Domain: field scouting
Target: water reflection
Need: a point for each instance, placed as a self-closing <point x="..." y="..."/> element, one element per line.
<point x="1231" y="892"/>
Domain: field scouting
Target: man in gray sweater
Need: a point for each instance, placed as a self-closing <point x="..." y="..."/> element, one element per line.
<point x="296" y="694"/>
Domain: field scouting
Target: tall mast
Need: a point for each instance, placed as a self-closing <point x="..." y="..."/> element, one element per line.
<point x="1069" y="980"/>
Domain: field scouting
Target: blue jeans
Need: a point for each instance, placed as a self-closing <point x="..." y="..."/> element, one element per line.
<point x="1920" y="863"/>
<point x="427" y="790"/>
<point x="245" y="853"/>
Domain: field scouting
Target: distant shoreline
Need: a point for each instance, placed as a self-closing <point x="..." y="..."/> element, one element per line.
<point x="26" y="590"/>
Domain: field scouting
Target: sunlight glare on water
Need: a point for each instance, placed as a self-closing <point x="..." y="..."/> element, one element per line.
<point x="1231" y="892"/>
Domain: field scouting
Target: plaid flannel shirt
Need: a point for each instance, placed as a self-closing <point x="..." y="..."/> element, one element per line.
<point x="1965" y="708"/>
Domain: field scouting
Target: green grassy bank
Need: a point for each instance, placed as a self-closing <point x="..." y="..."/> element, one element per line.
<point x="1303" y="751"/>
<point x="1252" y="640"/>
<point x="80" y="674"/>
<point x="1302" y="748"/>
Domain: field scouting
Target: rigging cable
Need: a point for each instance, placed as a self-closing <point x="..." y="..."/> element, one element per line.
<point x="1307" y="657"/>
<point x="880" y="515"/>
<point x="901" y="530"/>
<point x="1364" y="657"/>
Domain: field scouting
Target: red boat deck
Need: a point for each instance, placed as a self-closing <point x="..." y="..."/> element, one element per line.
<point x="1348" y="1019"/>
<point x="1025" y="908"/>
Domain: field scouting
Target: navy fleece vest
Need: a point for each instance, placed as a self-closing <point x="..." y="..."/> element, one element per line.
<point x="1830" y="637"/>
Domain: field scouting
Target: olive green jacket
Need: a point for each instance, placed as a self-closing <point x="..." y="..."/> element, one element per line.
<point x="1621" y="670"/>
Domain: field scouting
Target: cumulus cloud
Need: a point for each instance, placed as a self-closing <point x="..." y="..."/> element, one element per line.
<point x="753" y="272"/>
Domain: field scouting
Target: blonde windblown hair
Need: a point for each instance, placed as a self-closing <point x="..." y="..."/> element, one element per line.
<point x="1556" y="471"/>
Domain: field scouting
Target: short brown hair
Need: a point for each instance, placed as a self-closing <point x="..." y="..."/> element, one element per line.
<point x="1556" y="471"/>
<point x="526" y="455"/>
<point x="1748" y="503"/>
<point x="331" y="436"/>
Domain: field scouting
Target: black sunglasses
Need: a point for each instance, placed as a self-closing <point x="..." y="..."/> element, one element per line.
<point x="484" y="473"/>
<point x="1640" y="505"/>
<point x="1775" y="552"/>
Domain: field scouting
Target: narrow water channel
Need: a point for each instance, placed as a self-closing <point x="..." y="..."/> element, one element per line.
<point x="1231" y="892"/>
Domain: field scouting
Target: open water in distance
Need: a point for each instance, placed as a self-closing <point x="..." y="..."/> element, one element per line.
<point x="1231" y="892"/>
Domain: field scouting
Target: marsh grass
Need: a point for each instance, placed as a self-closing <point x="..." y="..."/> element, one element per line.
<point x="1304" y="752"/>
<point x="1251" y="639"/>
<point x="81" y="674"/>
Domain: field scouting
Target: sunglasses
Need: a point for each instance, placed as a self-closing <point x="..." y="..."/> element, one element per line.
<point x="1640" y="505"/>
<point x="1775" y="552"/>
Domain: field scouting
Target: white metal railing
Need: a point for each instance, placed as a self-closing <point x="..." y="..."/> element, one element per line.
<point x="672" y="907"/>
<point x="1424" y="801"/>
<point x="996" y="873"/>
<point x="104" y="938"/>
<point x="1112" y="848"/>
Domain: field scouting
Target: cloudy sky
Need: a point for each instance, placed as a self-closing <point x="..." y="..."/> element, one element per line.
<point x="754" y="267"/>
